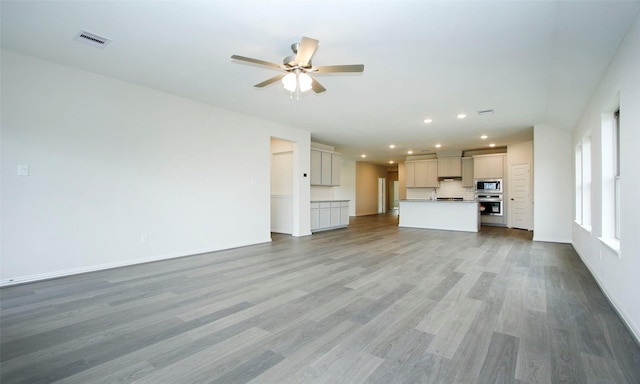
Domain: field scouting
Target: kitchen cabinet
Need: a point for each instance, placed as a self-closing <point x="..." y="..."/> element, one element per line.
<point x="431" y="179"/>
<point x="467" y="172"/>
<point x="409" y="174"/>
<point x="421" y="174"/>
<point x="344" y="213"/>
<point x="325" y="168"/>
<point x="329" y="215"/>
<point x="488" y="166"/>
<point x="315" y="216"/>
<point x="325" y="215"/>
<point x="316" y="167"/>
<point x="336" y="164"/>
<point x="449" y="167"/>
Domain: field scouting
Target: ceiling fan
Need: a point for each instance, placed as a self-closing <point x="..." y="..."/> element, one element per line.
<point x="298" y="67"/>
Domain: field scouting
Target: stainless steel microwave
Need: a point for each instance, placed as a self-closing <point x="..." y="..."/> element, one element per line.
<point x="489" y="186"/>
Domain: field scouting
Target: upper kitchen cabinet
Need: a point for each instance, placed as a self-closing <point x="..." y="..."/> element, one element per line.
<point x="409" y="174"/>
<point x="421" y="174"/>
<point x="488" y="166"/>
<point x="336" y="163"/>
<point x="316" y="167"/>
<point x="467" y="172"/>
<point x="449" y="166"/>
<point x="325" y="168"/>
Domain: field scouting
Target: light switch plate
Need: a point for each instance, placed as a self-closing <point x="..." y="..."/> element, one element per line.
<point x="23" y="170"/>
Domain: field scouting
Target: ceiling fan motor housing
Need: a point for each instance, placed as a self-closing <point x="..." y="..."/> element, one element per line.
<point x="290" y="61"/>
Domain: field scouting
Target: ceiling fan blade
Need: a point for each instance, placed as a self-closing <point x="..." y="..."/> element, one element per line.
<point x="339" y="68"/>
<point x="270" y="81"/>
<point x="256" y="61"/>
<point x="317" y="87"/>
<point x="306" y="50"/>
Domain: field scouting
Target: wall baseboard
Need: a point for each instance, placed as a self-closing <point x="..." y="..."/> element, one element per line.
<point x="100" y="267"/>
<point x="633" y="329"/>
<point x="550" y="240"/>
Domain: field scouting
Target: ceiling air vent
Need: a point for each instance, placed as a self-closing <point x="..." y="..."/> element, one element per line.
<point x="92" y="39"/>
<point x="485" y="112"/>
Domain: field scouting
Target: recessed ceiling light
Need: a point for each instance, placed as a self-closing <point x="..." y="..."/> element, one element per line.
<point x="390" y="161"/>
<point x="483" y="137"/>
<point x="363" y="155"/>
<point x="410" y="152"/>
<point x="428" y="121"/>
<point x="462" y="116"/>
<point x="492" y="145"/>
<point x="392" y="146"/>
<point x="438" y="145"/>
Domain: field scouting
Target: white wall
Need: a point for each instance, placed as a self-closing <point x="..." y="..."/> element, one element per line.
<point x="552" y="179"/>
<point x="616" y="274"/>
<point x="121" y="174"/>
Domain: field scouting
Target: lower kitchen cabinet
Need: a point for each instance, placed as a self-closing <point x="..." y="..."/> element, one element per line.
<point x="329" y="215"/>
<point x="315" y="216"/>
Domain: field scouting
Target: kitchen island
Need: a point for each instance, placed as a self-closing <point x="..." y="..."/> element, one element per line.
<point x="434" y="214"/>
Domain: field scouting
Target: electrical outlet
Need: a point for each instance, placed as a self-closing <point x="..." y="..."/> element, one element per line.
<point x="23" y="170"/>
<point x="144" y="239"/>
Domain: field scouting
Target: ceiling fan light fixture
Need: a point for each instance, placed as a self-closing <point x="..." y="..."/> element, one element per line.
<point x="305" y="82"/>
<point x="289" y="82"/>
<point x="295" y="80"/>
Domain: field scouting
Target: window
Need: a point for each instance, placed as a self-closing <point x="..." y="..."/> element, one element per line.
<point x="610" y="186"/>
<point x="578" y="174"/>
<point x="616" y="159"/>
<point x="583" y="182"/>
<point x="586" y="182"/>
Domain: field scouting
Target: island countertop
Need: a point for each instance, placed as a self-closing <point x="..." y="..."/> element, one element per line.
<point x="460" y="215"/>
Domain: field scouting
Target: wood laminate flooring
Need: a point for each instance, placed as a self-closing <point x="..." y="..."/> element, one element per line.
<point x="373" y="303"/>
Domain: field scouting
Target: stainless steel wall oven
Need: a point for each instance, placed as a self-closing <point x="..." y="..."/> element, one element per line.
<point x="490" y="205"/>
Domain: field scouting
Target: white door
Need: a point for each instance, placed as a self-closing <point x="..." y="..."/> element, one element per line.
<point x="520" y="196"/>
<point x="382" y="195"/>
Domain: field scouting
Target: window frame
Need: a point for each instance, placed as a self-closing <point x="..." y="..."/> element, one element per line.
<point x="616" y="170"/>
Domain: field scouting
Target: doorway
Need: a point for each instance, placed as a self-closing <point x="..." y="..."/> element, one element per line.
<point x="281" y="186"/>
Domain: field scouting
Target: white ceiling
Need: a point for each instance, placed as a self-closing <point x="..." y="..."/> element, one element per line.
<point x="533" y="62"/>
